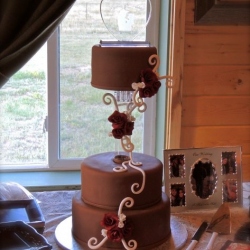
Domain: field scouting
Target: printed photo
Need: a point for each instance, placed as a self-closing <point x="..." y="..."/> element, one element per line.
<point x="177" y="166"/>
<point x="178" y="195"/>
<point x="203" y="178"/>
<point x="228" y="163"/>
<point x="230" y="191"/>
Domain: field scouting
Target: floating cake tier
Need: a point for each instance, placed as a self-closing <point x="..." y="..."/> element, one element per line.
<point x="116" y="68"/>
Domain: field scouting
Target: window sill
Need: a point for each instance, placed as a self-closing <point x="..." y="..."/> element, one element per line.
<point x="45" y="181"/>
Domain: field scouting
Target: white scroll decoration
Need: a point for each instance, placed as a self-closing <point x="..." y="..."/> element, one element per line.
<point x="129" y="105"/>
<point x="155" y="60"/>
<point x="108" y="98"/>
<point x="122" y="168"/>
<point x="128" y="202"/>
<point x="137" y="185"/>
<point x="92" y="242"/>
<point x="132" y="244"/>
<point x="137" y="102"/>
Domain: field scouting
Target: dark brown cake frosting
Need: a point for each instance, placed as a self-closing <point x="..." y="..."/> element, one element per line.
<point x="102" y="192"/>
<point x="151" y="226"/>
<point x="116" y="68"/>
<point x="102" y="187"/>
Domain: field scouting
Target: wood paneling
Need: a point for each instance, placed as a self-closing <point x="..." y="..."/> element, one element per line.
<point x="207" y="136"/>
<point x="214" y="94"/>
<point x="216" y="111"/>
<point x="212" y="80"/>
<point x="217" y="49"/>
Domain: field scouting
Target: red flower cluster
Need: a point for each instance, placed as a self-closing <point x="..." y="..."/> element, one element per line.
<point x="152" y="84"/>
<point x="116" y="234"/>
<point x="121" y="125"/>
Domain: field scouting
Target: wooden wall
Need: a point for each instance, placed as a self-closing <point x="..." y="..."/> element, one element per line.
<point x="213" y="86"/>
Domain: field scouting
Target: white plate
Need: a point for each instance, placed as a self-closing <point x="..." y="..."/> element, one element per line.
<point x="65" y="240"/>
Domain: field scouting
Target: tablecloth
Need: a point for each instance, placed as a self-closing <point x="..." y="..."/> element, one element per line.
<point x="56" y="207"/>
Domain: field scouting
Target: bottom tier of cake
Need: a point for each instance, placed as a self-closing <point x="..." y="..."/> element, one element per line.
<point x="150" y="226"/>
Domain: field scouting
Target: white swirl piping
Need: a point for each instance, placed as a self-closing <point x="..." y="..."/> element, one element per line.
<point x="132" y="244"/>
<point x="92" y="242"/>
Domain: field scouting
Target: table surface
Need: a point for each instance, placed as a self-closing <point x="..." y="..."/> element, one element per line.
<point x="56" y="207"/>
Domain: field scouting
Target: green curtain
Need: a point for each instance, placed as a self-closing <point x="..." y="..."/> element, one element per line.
<point x="25" y="25"/>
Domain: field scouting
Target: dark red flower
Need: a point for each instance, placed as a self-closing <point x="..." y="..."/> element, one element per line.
<point x="147" y="91"/>
<point x="115" y="234"/>
<point x="109" y="221"/>
<point x="152" y="84"/>
<point x="118" y="133"/>
<point x="121" y="125"/>
<point x="127" y="229"/>
<point x="148" y="75"/>
<point x="118" y="118"/>
<point x="156" y="85"/>
<point x="128" y="128"/>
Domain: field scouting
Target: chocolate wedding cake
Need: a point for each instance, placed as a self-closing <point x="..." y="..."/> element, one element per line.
<point x="121" y="204"/>
<point x="96" y="207"/>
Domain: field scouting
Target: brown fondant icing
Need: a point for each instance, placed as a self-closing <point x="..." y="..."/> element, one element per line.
<point x="116" y="68"/>
<point x="102" y="192"/>
<point x="102" y="187"/>
<point x="151" y="226"/>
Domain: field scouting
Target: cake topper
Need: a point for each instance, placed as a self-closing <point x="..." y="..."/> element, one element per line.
<point x="123" y="19"/>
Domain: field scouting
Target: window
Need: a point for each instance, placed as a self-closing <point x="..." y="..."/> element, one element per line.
<point x="57" y="124"/>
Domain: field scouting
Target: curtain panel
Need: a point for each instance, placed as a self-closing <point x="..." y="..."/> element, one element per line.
<point x="25" y="25"/>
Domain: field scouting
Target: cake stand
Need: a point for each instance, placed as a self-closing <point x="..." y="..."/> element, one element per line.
<point x="66" y="241"/>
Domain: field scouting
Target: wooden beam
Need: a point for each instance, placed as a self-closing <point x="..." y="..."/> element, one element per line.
<point x="174" y="106"/>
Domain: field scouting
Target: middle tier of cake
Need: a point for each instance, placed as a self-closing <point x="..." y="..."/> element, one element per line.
<point x="104" y="188"/>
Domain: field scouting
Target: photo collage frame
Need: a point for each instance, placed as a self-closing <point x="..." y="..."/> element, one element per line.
<point x="198" y="178"/>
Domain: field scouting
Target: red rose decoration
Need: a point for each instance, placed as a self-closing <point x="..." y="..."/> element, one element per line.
<point x="115" y="234"/>
<point x="147" y="91"/>
<point x="148" y="75"/>
<point x="121" y="125"/>
<point x="156" y="85"/>
<point x="127" y="229"/>
<point x="118" y="118"/>
<point x="110" y="221"/>
<point x="128" y="128"/>
<point x="118" y="133"/>
<point x="152" y="84"/>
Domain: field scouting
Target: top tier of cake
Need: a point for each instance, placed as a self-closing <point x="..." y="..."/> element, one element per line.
<point x="104" y="188"/>
<point x="116" y="68"/>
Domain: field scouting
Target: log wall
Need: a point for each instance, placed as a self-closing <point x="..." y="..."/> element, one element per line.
<point x="215" y="86"/>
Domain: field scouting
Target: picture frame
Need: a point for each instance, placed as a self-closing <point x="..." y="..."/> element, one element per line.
<point x="223" y="12"/>
<point x="198" y="178"/>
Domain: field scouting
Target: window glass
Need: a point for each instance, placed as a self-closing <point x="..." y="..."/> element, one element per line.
<point x="23" y="110"/>
<point x="84" y="126"/>
<point x="82" y="121"/>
